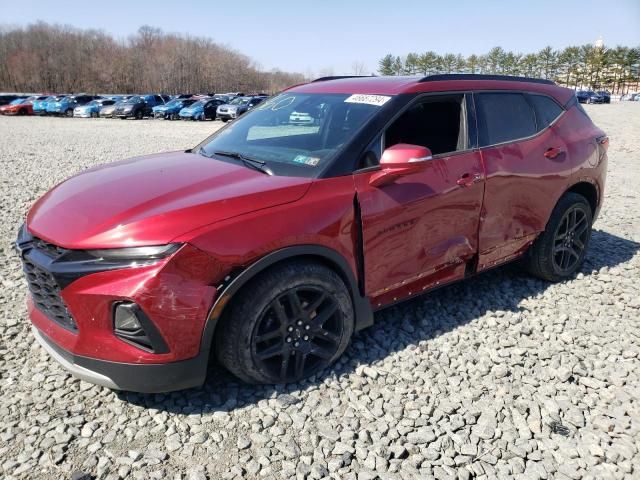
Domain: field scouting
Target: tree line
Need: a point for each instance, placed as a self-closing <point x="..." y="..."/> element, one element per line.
<point x="587" y="66"/>
<point x="52" y="58"/>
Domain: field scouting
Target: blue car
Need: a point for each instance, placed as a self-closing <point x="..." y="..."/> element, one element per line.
<point x="92" y="109"/>
<point x="203" y="109"/>
<point x="40" y="106"/>
<point x="589" y="96"/>
<point x="66" y="105"/>
<point x="170" y="110"/>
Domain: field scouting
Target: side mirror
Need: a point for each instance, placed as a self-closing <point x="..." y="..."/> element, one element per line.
<point x="399" y="160"/>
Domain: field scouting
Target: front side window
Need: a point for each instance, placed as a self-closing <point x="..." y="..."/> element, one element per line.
<point x="503" y="117"/>
<point x="274" y="133"/>
<point x="546" y="110"/>
<point x="437" y="123"/>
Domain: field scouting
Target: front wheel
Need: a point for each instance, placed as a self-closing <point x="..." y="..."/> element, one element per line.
<point x="225" y="120"/>
<point x="287" y="324"/>
<point x="559" y="251"/>
<point x="69" y="113"/>
<point x="139" y="115"/>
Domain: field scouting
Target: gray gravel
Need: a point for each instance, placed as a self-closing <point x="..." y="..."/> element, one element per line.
<point x="502" y="376"/>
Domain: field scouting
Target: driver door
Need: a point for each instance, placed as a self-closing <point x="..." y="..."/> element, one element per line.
<point x="421" y="230"/>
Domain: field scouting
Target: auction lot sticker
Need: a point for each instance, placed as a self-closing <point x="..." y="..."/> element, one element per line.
<point x="377" y="100"/>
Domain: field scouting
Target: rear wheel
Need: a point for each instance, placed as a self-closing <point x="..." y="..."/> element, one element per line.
<point x="559" y="251"/>
<point x="286" y="324"/>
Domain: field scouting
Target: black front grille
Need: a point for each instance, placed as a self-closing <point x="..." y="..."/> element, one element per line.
<point x="45" y="291"/>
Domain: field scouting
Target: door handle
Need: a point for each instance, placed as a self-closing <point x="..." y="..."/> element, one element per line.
<point x="468" y="179"/>
<point x="552" y="152"/>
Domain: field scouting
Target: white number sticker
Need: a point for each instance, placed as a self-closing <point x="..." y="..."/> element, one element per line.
<point x="377" y="100"/>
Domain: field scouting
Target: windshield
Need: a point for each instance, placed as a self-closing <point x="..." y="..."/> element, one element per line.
<point x="270" y="133"/>
<point x="239" y="101"/>
<point x="134" y="100"/>
<point x="174" y="103"/>
<point x="93" y="102"/>
<point x="17" y="101"/>
<point x="200" y="103"/>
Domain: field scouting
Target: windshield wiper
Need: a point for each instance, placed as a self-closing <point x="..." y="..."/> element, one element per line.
<point x="254" y="163"/>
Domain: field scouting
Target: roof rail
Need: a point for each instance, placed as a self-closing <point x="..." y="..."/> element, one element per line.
<point x="477" y="76"/>
<point x="338" y="77"/>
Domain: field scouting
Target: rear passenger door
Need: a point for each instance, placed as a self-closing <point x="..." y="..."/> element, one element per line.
<point x="526" y="165"/>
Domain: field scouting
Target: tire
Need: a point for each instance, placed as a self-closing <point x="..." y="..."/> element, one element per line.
<point x="225" y="120"/>
<point x="553" y="248"/>
<point x="138" y="115"/>
<point x="22" y="112"/>
<point x="94" y="114"/>
<point x="69" y="113"/>
<point x="297" y="340"/>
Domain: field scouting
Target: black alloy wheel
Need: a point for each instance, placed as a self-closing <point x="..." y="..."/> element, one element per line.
<point x="570" y="240"/>
<point x="298" y="334"/>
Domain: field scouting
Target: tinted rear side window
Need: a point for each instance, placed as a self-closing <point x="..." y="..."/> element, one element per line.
<point x="546" y="110"/>
<point x="503" y="117"/>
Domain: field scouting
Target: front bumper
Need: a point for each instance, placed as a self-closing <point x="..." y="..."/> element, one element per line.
<point x="71" y="305"/>
<point x="144" y="378"/>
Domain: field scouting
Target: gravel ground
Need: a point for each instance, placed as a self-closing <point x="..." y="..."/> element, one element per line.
<point x="501" y="376"/>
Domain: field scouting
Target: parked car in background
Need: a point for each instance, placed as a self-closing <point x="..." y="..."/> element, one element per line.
<point x="106" y="111"/>
<point x="40" y="106"/>
<point x="138" y="106"/>
<point x="171" y="109"/>
<point x="66" y="105"/>
<point x="203" y="109"/>
<point x="181" y="96"/>
<point x="237" y="107"/>
<point x="301" y="118"/>
<point x="606" y="96"/>
<point x="589" y="96"/>
<point x="629" y="97"/>
<point x="92" y="109"/>
<point x="7" y="99"/>
<point x="21" y="106"/>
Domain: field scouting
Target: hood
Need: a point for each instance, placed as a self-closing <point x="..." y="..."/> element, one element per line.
<point x="152" y="200"/>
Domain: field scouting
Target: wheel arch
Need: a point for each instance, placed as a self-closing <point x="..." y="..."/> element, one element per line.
<point x="316" y="253"/>
<point x="589" y="191"/>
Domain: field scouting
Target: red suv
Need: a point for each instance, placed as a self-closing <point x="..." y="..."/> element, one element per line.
<point x="272" y="241"/>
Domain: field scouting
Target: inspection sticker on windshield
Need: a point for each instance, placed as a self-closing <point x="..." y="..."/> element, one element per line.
<point x="306" y="160"/>
<point x="377" y="100"/>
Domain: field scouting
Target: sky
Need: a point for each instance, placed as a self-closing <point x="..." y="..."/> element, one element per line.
<point x="330" y="36"/>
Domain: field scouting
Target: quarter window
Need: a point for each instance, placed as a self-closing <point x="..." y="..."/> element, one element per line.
<point x="503" y="117"/>
<point x="546" y="110"/>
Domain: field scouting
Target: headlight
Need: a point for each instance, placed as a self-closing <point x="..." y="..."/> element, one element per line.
<point x="135" y="253"/>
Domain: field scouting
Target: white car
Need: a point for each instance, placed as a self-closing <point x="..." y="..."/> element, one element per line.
<point x="301" y="118"/>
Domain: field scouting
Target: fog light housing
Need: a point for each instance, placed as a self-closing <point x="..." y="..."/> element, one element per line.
<point x="131" y="325"/>
<point x="125" y="318"/>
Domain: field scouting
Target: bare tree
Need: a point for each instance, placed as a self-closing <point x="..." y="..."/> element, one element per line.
<point x="60" y="58"/>
<point x="358" y="68"/>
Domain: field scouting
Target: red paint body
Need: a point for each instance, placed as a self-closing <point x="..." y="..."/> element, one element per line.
<point x="419" y="231"/>
<point x="21" y="109"/>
